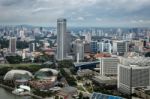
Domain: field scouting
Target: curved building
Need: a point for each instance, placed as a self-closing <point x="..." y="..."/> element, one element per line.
<point x="18" y="75"/>
<point x="46" y="73"/>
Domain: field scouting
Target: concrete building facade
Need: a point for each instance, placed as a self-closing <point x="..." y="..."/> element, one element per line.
<point x="133" y="73"/>
<point x="12" y="45"/>
<point x="61" y="39"/>
<point x="108" y="66"/>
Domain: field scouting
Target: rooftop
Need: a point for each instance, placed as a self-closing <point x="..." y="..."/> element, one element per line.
<point x="85" y="63"/>
<point x="18" y="75"/>
<point x="136" y="61"/>
<point x="46" y="73"/>
<point x="104" y="96"/>
<point x="105" y="80"/>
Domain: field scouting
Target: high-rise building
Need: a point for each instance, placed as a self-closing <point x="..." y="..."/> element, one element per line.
<point x="100" y="46"/>
<point x="104" y="47"/>
<point x="88" y="37"/>
<point x="61" y="39"/>
<point x="120" y="47"/>
<point x="93" y="46"/>
<point x="22" y="35"/>
<point x="32" y="47"/>
<point x="108" y="66"/>
<point x="68" y="42"/>
<point x="79" y="50"/>
<point x="133" y="73"/>
<point x="87" y="48"/>
<point x="107" y="47"/>
<point x="12" y="44"/>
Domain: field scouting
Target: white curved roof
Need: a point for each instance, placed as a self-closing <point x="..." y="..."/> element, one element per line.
<point x="55" y="72"/>
<point x="11" y="74"/>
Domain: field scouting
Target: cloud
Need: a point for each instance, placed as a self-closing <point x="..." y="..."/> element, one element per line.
<point x="80" y="18"/>
<point x="47" y="11"/>
<point x="140" y="21"/>
<point x="37" y="10"/>
<point x="98" y="19"/>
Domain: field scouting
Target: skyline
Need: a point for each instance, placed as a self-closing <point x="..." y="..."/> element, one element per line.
<point x="100" y="13"/>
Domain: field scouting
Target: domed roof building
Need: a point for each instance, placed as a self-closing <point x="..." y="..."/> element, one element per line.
<point x="45" y="73"/>
<point x="46" y="79"/>
<point x="18" y="75"/>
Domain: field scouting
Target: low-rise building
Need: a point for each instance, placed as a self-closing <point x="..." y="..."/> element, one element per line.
<point x="67" y="93"/>
<point x="143" y="93"/>
<point x="85" y="72"/>
<point x="103" y="80"/>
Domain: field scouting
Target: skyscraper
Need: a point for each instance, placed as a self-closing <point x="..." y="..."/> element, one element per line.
<point x="32" y="47"/>
<point x="61" y="39"/>
<point x="93" y="46"/>
<point x="88" y="37"/>
<point x="12" y="45"/>
<point x="79" y="50"/>
<point x="120" y="47"/>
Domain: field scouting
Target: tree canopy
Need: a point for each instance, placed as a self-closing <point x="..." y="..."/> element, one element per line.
<point x="14" y="59"/>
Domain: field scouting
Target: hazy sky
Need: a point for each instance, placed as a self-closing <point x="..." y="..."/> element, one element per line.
<point x="129" y="13"/>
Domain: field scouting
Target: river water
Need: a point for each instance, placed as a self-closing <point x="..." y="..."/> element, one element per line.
<point x="4" y="94"/>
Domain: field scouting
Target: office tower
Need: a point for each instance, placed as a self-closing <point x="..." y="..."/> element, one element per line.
<point x="61" y="39"/>
<point x="32" y="47"/>
<point x="79" y="50"/>
<point x="22" y="35"/>
<point x="144" y="43"/>
<point x="93" y="32"/>
<point x="138" y="46"/>
<point x="100" y="46"/>
<point x="107" y="47"/>
<point x="120" y="47"/>
<point x="133" y="73"/>
<point x="87" y="48"/>
<point x="88" y="37"/>
<point x="108" y="66"/>
<point x="104" y="47"/>
<point x="41" y="29"/>
<point x="23" y="54"/>
<point x="119" y="31"/>
<point x="12" y="45"/>
<point x="93" y="46"/>
<point x="68" y="42"/>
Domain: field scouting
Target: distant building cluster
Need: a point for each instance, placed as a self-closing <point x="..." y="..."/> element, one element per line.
<point x="111" y="57"/>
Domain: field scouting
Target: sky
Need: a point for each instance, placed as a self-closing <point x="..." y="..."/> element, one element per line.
<point x="100" y="13"/>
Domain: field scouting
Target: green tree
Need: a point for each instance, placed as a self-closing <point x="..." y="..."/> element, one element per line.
<point x="14" y="59"/>
<point x="80" y="95"/>
<point x="43" y="93"/>
<point x="147" y="54"/>
<point x="22" y="44"/>
<point x="70" y="79"/>
<point x="4" y="43"/>
<point x="65" y="63"/>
